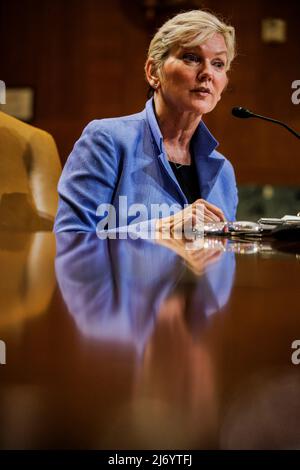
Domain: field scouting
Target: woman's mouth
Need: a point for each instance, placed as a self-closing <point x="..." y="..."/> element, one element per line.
<point x="203" y="91"/>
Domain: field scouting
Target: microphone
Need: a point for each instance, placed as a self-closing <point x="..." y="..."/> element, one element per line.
<point x="243" y="113"/>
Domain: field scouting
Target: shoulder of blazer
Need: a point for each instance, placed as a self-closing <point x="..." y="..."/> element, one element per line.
<point x="120" y="130"/>
<point x="112" y="125"/>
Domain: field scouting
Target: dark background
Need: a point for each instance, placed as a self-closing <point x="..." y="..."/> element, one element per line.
<point x="85" y="59"/>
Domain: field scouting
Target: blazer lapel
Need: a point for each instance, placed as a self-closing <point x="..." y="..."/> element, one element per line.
<point x="156" y="139"/>
<point x="208" y="168"/>
<point x="169" y="172"/>
<point x="208" y="162"/>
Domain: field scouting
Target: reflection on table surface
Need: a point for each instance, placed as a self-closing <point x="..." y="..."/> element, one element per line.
<point x="159" y="344"/>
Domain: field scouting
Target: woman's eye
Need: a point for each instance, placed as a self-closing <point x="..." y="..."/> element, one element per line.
<point x="219" y="64"/>
<point x="188" y="57"/>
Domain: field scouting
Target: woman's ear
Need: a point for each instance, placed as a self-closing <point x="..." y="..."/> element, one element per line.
<point x="151" y="73"/>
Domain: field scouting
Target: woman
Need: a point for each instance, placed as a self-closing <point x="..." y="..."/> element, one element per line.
<point x="150" y="165"/>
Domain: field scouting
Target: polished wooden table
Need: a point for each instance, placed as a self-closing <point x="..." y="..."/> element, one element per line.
<point x="136" y="344"/>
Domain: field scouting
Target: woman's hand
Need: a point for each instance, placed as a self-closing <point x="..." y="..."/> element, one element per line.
<point x="212" y="213"/>
<point x="193" y="216"/>
<point x="195" y="254"/>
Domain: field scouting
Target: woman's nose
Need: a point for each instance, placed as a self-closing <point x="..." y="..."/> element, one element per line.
<point x="205" y="71"/>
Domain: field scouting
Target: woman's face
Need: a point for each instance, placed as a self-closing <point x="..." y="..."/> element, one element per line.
<point x="192" y="80"/>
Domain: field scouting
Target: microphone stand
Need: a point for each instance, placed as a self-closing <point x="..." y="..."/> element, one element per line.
<point x="277" y="122"/>
<point x="245" y="113"/>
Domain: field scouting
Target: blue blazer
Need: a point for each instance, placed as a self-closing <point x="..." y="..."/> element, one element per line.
<point x="125" y="156"/>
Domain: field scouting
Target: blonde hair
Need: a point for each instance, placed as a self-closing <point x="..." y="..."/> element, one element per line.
<point x="189" y="29"/>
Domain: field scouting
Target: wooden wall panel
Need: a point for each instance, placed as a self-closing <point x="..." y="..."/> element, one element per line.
<point x="261" y="80"/>
<point x="85" y="60"/>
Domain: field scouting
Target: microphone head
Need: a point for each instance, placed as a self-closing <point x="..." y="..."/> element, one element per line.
<point x="240" y="112"/>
